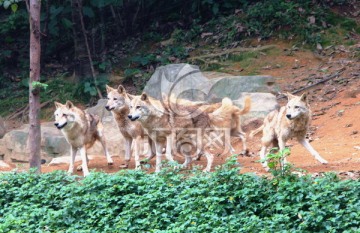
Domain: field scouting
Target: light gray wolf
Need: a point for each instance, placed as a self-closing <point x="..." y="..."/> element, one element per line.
<point x="291" y="121"/>
<point x="81" y="130"/>
<point x="118" y="103"/>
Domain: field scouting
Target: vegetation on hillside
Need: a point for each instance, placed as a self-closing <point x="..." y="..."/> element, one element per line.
<point x="132" y="38"/>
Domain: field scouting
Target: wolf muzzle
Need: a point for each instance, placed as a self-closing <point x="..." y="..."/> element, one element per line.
<point x="108" y="108"/>
<point x="60" y="126"/>
<point x="132" y="118"/>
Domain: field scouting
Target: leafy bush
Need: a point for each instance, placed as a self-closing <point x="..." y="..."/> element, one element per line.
<point x="134" y="201"/>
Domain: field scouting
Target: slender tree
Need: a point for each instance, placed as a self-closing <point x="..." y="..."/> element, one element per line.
<point x="34" y="140"/>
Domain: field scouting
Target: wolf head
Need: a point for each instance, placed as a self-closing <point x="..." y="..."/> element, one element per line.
<point x="117" y="98"/>
<point x="64" y="114"/>
<point x="297" y="106"/>
<point x="140" y="108"/>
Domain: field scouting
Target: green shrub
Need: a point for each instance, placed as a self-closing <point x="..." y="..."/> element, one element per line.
<point x="134" y="201"/>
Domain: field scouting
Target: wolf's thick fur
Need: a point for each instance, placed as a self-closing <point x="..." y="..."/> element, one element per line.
<point x="118" y="103"/>
<point x="154" y="119"/>
<point x="81" y="130"/>
<point x="231" y="121"/>
<point x="291" y="121"/>
<point x="155" y="115"/>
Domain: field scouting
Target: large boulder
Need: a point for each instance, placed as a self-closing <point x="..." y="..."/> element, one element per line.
<point x="99" y="109"/>
<point x="186" y="81"/>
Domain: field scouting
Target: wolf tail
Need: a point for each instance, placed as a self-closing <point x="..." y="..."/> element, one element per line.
<point x="247" y="106"/>
<point x="256" y="131"/>
<point x="222" y="115"/>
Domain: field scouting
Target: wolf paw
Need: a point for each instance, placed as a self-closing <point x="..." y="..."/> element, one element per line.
<point x="323" y="161"/>
<point x="123" y="166"/>
<point x="245" y="153"/>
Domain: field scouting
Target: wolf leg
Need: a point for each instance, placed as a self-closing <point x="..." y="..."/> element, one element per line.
<point x="210" y="159"/>
<point x="158" y="147"/>
<point x="168" y="148"/>
<point x="128" y="142"/>
<point x="312" y="151"/>
<point x="137" y="142"/>
<point x="73" y="151"/>
<point x="84" y="161"/>
<point x="107" y="154"/>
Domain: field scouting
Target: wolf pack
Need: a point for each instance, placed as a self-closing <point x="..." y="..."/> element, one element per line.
<point x="175" y="126"/>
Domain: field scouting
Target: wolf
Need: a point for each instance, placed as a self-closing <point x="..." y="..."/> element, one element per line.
<point x="291" y="121"/>
<point x="231" y="121"/>
<point x="81" y="131"/>
<point x="155" y="121"/>
<point x="161" y="121"/>
<point x="118" y="103"/>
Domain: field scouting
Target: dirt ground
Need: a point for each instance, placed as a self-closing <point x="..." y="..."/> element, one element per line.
<point x="335" y="130"/>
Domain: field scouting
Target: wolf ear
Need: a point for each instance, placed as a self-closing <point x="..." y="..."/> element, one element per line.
<point x="121" y="89"/>
<point x="57" y="104"/>
<point x="303" y="97"/>
<point x="144" y="97"/>
<point x="289" y="95"/>
<point x="69" y="104"/>
<point x="131" y="97"/>
<point x="108" y="88"/>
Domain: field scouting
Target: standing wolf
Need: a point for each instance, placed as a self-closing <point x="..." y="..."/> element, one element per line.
<point x="292" y="120"/>
<point x="118" y="103"/>
<point x="160" y="122"/>
<point x="81" y="130"/>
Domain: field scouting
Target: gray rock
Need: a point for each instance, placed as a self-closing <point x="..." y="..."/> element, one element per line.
<point x="233" y="87"/>
<point x="180" y="80"/>
<point x="187" y="82"/>
<point x="99" y="109"/>
<point x="261" y="105"/>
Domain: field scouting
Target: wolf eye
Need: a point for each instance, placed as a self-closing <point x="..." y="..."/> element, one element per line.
<point x="64" y="115"/>
<point x="296" y="107"/>
<point x="138" y="107"/>
<point x="115" y="98"/>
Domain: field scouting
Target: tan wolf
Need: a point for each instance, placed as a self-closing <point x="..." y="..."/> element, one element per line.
<point x="232" y="121"/>
<point x="153" y="117"/>
<point x="160" y="121"/>
<point x="118" y="103"/>
<point x="291" y="121"/>
<point x="81" y="130"/>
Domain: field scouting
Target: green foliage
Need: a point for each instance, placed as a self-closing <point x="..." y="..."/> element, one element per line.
<point x="39" y="85"/>
<point x="275" y="160"/>
<point x="134" y="201"/>
<point x="86" y="88"/>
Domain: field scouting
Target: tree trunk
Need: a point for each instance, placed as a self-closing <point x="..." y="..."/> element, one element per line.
<point x="81" y="64"/>
<point x="34" y="139"/>
<point x="78" y="21"/>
